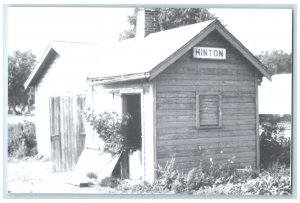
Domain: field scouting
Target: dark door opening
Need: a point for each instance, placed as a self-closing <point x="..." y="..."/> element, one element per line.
<point x="127" y="164"/>
<point x="132" y="106"/>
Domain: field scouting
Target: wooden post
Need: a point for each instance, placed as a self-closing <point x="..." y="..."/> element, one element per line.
<point x="257" y="124"/>
<point x="124" y="165"/>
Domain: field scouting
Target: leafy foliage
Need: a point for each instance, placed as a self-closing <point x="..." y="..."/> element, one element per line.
<point x="111" y="182"/>
<point x="277" y="61"/>
<point x="274" y="147"/>
<point x="176" y="17"/>
<point x="216" y="179"/>
<point x="20" y="65"/>
<point x="169" y="18"/>
<point x="267" y="183"/>
<point x="112" y="129"/>
<point x="22" y="140"/>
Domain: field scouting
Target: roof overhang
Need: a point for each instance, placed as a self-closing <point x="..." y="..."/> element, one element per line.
<point x="119" y="78"/>
<point x="216" y="25"/>
<point x="40" y="67"/>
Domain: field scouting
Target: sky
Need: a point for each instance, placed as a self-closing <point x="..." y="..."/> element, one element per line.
<point x="35" y="27"/>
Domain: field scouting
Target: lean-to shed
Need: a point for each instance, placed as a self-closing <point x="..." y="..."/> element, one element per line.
<point x="61" y="71"/>
<point x="192" y="90"/>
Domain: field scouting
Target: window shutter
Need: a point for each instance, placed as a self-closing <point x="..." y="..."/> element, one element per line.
<point x="208" y="111"/>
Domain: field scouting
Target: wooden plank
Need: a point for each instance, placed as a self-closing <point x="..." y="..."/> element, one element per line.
<point x="155" y="116"/>
<point x="205" y="69"/>
<point x="206" y="152"/>
<point x="197" y="82"/>
<point x="176" y="106"/>
<point x="205" y="89"/>
<point x="173" y="112"/>
<point x="203" y="140"/>
<point x="241" y="155"/>
<point x="51" y="114"/>
<point x="208" y="64"/>
<point x="229" y="113"/>
<point x="58" y="132"/>
<point x="196" y="150"/>
<point x="170" y="136"/>
<point x="225" y="144"/>
<point x="72" y="133"/>
<point x="175" y="124"/>
<point x="63" y="135"/>
<point x="257" y="124"/>
<point x="192" y="117"/>
<point x="238" y="99"/>
<point x="165" y="100"/>
<point x="238" y="105"/>
<point x="178" y="95"/>
<point x="207" y="77"/>
<point x="180" y="129"/>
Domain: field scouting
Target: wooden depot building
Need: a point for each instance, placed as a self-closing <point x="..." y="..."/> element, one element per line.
<point x="192" y="91"/>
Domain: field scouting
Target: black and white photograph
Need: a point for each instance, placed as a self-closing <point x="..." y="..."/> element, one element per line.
<point x="158" y="100"/>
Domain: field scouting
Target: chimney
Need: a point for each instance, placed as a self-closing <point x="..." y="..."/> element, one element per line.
<point x="146" y="22"/>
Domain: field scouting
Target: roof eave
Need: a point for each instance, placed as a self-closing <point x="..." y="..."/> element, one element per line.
<point x="176" y="55"/>
<point x="244" y="51"/>
<point x="38" y="67"/>
<point x="119" y="78"/>
<point x="215" y="25"/>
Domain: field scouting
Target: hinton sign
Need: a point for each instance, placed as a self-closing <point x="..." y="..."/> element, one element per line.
<point x="209" y="53"/>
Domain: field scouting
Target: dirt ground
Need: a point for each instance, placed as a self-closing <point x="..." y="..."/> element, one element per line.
<point x="35" y="176"/>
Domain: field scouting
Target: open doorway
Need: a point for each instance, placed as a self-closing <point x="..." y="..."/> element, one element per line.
<point x="130" y="165"/>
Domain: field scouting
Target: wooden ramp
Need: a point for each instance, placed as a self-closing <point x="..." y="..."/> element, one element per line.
<point x="94" y="161"/>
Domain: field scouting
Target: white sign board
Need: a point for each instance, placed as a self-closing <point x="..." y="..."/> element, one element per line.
<point x="209" y="53"/>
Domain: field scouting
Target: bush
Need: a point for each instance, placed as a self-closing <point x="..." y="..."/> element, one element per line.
<point x="217" y="179"/>
<point x="92" y="175"/>
<point x="274" y="147"/>
<point x="22" y="140"/>
<point x="267" y="183"/>
<point x="112" y="129"/>
<point x="111" y="182"/>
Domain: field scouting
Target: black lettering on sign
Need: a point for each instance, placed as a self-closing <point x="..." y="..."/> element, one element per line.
<point x="209" y="53"/>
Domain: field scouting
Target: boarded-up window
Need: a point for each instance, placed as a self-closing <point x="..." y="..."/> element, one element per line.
<point x="208" y="111"/>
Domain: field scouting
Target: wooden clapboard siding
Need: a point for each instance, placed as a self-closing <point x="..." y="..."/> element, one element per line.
<point x="176" y="89"/>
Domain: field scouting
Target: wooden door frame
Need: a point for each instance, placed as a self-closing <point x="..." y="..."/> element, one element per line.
<point x="139" y="91"/>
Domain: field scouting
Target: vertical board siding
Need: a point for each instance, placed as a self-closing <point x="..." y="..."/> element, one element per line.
<point x="66" y="129"/>
<point x="176" y="89"/>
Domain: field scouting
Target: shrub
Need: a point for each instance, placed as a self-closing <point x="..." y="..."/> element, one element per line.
<point x="111" y="182"/>
<point x="112" y="129"/>
<point x="22" y="140"/>
<point x="92" y="175"/>
<point x="274" y="147"/>
<point x="207" y="174"/>
<point x="216" y="179"/>
<point x="267" y="183"/>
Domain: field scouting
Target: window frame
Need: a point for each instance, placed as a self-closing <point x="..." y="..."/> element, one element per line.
<point x="219" y="125"/>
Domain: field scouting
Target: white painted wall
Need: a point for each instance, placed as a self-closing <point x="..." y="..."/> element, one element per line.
<point x="61" y="78"/>
<point x="101" y="98"/>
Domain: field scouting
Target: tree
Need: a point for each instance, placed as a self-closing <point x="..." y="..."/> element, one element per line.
<point x="20" y="65"/>
<point x="277" y="61"/>
<point x="169" y="18"/>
